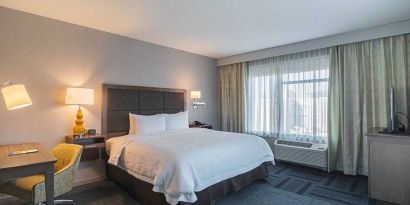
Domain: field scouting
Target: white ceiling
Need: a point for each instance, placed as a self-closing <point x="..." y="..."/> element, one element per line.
<point x="220" y="28"/>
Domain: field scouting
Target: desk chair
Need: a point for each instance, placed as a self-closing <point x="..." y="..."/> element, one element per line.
<point x="32" y="189"/>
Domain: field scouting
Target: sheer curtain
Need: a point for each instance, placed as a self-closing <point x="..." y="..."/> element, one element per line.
<point x="261" y="104"/>
<point x="286" y="96"/>
<point x="304" y="85"/>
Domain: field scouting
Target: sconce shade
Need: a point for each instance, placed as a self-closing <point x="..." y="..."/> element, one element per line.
<point x="79" y="96"/>
<point x="16" y="96"/>
<point x="195" y="94"/>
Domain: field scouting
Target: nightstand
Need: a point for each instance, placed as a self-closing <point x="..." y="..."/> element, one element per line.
<point x="94" y="146"/>
<point x="207" y="126"/>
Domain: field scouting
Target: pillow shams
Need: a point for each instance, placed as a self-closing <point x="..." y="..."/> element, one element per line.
<point x="140" y="124"/>
<point x="176" y="121"/>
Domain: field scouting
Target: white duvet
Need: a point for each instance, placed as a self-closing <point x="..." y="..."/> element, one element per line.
<point x="181" y="162"/>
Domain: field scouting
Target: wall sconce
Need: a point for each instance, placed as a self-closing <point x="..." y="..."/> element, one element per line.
<point x="15" y="96"/>
<point x="195" y="95"/>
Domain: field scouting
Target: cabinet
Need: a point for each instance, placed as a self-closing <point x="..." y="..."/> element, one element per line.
<point x="389" y="166"/>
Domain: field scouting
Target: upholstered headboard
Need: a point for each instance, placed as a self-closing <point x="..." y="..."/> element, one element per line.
<point x="119" y="100"/>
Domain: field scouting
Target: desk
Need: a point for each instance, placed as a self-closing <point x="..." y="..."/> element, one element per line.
<point x="16" y="166"/>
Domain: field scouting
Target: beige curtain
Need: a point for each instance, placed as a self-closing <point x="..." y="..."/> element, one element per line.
<point x="360" y="76"/>
<point x="232" y="97"/>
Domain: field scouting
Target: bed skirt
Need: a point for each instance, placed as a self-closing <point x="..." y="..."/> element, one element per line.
<point x="142" y="191"/>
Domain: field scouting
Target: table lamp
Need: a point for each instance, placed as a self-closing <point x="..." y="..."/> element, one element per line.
<point x="79" y="96"/>
<point x="15" y="96"/>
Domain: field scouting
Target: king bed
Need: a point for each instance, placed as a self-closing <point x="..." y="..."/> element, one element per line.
<point x="175" y="166"/>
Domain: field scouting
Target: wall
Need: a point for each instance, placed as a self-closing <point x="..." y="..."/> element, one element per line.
<point x="48" y="55"/>
<point x="349" y="37"/>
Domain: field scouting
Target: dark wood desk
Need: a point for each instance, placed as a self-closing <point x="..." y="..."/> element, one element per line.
<point x="16" y="166"/>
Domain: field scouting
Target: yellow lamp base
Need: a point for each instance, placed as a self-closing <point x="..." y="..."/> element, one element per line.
<point x="79" y="128"/>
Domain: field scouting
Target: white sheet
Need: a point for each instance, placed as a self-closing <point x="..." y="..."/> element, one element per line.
<point x="181" y="162"/>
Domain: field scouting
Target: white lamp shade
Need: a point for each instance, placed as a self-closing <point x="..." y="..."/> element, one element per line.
<point x="79" y="96"/>
<point x="16" y="96"/>
<point x="195" y="94"/>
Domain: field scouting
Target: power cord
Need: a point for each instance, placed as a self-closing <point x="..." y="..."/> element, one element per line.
<point x="407" y="117"/>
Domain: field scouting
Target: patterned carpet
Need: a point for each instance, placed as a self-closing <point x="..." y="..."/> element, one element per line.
<point x="335" y="188"/>
<point x="286" y="185"/>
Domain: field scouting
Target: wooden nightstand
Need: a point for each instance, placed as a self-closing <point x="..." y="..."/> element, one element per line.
<point x="94" y="146"/>
<point x="207" y="126"/>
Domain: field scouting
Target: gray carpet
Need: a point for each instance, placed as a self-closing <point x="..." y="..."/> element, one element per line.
<point x="286" y="185"/>
<point x="335" y="188"/>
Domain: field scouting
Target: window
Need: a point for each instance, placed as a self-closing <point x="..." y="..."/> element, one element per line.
<point x="304" y="106"/>
<point x="287" y="98"/>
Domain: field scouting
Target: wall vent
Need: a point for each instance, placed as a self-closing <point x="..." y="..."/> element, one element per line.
<point x="304" y="153"/>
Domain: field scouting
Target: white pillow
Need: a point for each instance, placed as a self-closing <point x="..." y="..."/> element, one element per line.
<point x="132" y="130"/>
<point x="176" y="121"/>
<point x="140" y="124"/>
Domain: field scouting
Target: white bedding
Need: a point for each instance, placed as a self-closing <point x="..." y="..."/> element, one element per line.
<point x="181" y="162"/>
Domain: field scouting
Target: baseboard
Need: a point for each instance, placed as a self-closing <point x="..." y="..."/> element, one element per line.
<point x="89" y="180"/>
<point x="4" y="197"/>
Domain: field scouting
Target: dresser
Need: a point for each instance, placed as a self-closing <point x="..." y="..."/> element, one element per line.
<point x="389" y="166"/>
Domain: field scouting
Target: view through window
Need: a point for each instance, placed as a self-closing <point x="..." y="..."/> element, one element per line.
<point x="288" y="99"/>
<point x="304" y="106"/>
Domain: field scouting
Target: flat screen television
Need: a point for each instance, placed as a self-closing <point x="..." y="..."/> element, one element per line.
<point x="394" y="126"/>
<point x="394" y="121"/>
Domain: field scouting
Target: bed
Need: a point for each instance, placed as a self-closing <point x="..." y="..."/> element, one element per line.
<point x="190" y="166"/>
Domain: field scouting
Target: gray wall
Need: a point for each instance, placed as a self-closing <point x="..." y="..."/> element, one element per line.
<point x="392" y="29"/>
<point x="48" y="55"/>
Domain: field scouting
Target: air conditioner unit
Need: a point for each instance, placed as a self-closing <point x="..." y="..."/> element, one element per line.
<point x="304" y="153"/>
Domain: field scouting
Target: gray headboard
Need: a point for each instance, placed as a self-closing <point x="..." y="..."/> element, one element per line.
<point x="119" y="100"/>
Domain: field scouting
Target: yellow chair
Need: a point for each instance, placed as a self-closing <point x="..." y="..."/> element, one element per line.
<point x="32" y="189"/>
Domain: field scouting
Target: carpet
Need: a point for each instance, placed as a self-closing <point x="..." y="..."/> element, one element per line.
<point x="336" y="188"/>
<point x="286" y="185"/>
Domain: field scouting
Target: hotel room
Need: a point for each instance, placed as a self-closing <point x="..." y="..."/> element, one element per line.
<point x="205" y="102"/>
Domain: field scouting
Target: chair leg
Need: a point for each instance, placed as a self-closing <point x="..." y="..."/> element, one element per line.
<point x="63" y="201"/>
